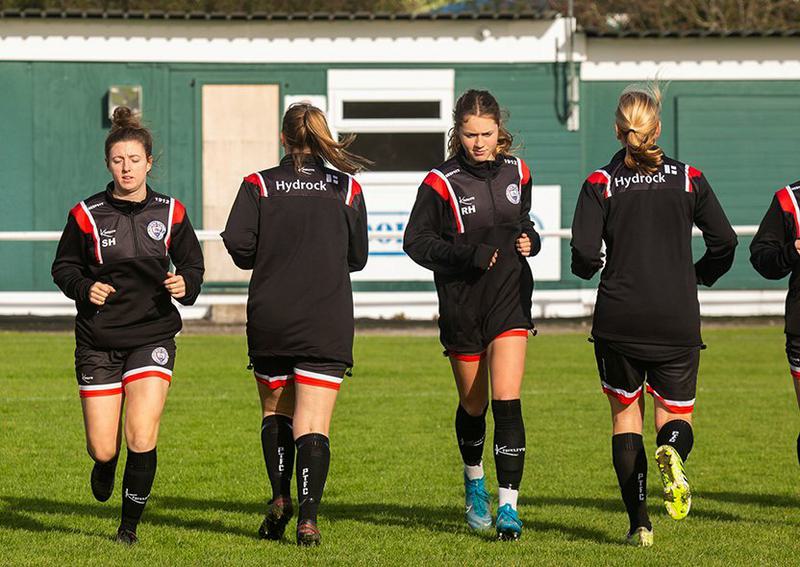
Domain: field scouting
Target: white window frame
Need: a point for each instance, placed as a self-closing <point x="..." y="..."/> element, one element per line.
<point x="371" y="85"/>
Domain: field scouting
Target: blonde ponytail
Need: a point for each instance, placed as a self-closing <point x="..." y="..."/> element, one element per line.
<point x="305" y="128"/>
<point x="637" y="119"/>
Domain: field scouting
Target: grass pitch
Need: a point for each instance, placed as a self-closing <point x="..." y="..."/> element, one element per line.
<point x="394" y="494"/>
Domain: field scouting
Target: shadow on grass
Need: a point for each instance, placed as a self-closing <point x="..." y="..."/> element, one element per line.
<point x="765" y="500"/>
<point x="616" y="505"/>
<point x="165" y="511"/>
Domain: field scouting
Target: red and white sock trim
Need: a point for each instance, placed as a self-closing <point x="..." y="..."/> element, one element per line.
<point x="147" y="372"/>
<point x="795" y="370"/>
<point x="93" y="390"/>
<point x="272" y="382"/>
<point x="675" y="406"/>
<point x="513" y="333"/>
<point x="316" y="379"/>
<point x="626" y="398"/>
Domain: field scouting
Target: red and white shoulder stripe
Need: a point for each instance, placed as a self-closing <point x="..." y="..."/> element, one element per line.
<point x="177" y="212"/>
<point x="691" y="173"/>
<point x="788" y="202"/>
<point x="524" y="172"/>
<point x="257" y="180"/>
<point x="438" y="181"/>
<point x="602" y="178"/>
<point x="83" y="216"/>
<point x="353" y="190"/>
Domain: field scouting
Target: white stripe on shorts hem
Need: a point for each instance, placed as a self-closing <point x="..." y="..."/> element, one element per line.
<point x="318" y="376"/>
<point x="272" y="378"/>
<point x="675" y="403"/>
<point x="621" y="392"/>
<point x="147" y="368"/>
<point x="99" y="387"/>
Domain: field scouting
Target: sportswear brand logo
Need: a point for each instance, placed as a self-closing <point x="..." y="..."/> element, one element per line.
<point x="108" y="237"/>
<point x="465" y="443"/>
<point x="307" y="170"/>
<point x="156" y="230"/>
<point x="508" y="451"/>
<point x="639" y="178"/>
<point x="136" y="498"/>
<point x="674" y="436"/>
<point x="287" y="186"/>
<point x="452" y="172"/>
<point x="94" y="206"/>
<point x="468" y="205"/>
<point x="513" y="194"/>
<point x="86" y="378"/>
<point x="160" y="355"/>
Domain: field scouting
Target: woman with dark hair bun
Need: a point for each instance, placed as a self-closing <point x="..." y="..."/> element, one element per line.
<point x="114" y="261"/>
<point x="302" y="228"/>
<point x="471" y="226"/>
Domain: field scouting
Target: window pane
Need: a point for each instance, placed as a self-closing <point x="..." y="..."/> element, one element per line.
<point x="391" y="109"/>
<point x="397" y="151"/>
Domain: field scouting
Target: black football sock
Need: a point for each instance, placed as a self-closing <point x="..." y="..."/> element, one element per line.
<point x="106" y="470"/>
<point x="277" y="444"/>
<point x="509" y="442"/>
<point x="313" y="460"/>
<point x="140" y="470"/>
<point x="471" y="434"/>
<point x="677" y="433"/>
<point x="630" y="463"/>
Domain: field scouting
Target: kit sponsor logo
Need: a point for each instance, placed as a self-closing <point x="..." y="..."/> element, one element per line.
<point x="297" y="185"/>
<point x="626" y="182"/>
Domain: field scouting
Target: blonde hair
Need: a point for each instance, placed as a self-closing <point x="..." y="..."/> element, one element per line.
<point x="637" y="119"/>
<point x="478" y="103"/>
<point x="305" y="127"/>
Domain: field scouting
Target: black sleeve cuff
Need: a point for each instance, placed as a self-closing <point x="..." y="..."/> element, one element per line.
<point x="483" y="255"/>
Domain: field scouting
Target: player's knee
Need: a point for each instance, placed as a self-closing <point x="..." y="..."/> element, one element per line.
<point x="476" y="407"/>
<point x="102" y="452"/>
<point x="141" y="439"/>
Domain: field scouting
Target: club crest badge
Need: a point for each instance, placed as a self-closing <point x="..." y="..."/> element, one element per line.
<point x="513" y="193"/>
<point x="160" y="355"/>
<point x="156" y="230"/>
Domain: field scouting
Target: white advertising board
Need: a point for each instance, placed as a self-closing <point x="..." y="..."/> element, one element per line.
<point x="389" y="204"/>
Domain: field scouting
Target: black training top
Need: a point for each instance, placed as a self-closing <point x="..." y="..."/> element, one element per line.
<point x="129" y="246"/>
<point x="773" y="253"/>
<point x="463" y="213"/>
<point x="301" y="233"/>
<point x="648" y="287"/>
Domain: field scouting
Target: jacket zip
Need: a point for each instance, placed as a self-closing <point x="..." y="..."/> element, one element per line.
<point x="491" y="195"/>
<point x="135" y="240"/>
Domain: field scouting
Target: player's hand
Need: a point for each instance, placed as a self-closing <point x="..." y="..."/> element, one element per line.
<point x="175" y="285"/>
<point x="493" y="261"/>
<point x="99" y="292"/>
<point x="524" y="245"/>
